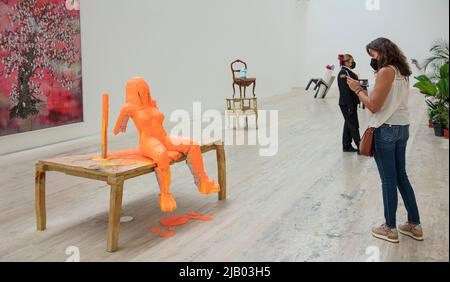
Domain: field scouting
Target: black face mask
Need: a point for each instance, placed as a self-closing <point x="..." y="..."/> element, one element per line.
<point x="353" y="66"/>
<point x="374" y="64"/>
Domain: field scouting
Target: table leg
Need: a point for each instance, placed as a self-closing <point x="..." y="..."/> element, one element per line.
<point x="41" y="214"/>
<point x="222" y="171"/>
<point x="115" y="210"/>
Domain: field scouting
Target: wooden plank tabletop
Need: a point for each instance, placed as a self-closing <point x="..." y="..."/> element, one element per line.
<point x="93" y="162"/>
<point x="129" y="163"/>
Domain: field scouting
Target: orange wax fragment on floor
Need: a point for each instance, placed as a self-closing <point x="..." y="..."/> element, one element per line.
<point x="174" y="220"/>
<point x="155" y="230"/>
<point x="198" y="216"/>
<point x="177" y="220"/>
<point x="167" y="235"/>
<point x="204" y="218"/>
<point x="193" y="214"/>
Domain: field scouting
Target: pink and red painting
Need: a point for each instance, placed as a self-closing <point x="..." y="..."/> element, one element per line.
<point x="40" y="65"/>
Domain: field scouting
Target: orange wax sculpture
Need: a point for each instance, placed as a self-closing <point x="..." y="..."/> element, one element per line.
<point x="154" y="143"/>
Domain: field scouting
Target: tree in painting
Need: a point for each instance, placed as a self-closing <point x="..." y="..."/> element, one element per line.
<point x="39" y="42"/>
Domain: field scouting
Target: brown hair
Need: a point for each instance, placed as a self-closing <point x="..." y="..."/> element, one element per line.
<point x="390" y="54"/>
<point x="344" y="58"/>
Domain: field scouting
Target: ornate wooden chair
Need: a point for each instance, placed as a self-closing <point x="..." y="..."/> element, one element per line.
<point x="242" y="82"/>
<point x="242" y="106"/>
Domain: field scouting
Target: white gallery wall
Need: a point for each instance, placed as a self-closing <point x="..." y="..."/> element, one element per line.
<point x="184" y="48"/>
<point x="330" y="27"/>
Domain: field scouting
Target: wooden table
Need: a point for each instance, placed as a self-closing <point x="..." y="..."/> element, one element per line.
<point x="91" y="167"/>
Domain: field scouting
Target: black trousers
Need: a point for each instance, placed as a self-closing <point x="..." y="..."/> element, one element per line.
<point x="351" y="126"/>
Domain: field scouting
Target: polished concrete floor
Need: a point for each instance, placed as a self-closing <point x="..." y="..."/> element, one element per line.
<point x="310" y="202"/>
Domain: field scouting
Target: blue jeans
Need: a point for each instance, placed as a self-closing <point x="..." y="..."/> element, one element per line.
<point x="390" y="156"/>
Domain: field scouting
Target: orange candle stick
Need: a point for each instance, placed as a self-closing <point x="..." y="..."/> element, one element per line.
<point x="105" y="114"/>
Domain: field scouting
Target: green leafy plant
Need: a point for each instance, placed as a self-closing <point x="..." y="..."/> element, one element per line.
<point x="437" y="95"/>
<point x="444" y="117"/>
<point x="439" y="57"/>
<point x="432" y="111"/>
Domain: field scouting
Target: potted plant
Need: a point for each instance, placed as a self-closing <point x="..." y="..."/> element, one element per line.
<point x="446" y="132"/>
<point x="437" y="125"/>
<point x="444" y="118"/>
<point x="436" y="91"/>
<point x="431" y="114"/>
<point x="440" y="122"/>
<point x="434" y="84"/>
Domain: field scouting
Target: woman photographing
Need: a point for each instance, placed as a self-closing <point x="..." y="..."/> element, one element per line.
<point x="388" y="103"/>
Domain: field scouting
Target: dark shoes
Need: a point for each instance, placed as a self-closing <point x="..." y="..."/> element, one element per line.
<point x="350" y="149"/>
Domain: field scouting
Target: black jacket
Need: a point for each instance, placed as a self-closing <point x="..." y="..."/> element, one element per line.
<point x="347" y="97"/>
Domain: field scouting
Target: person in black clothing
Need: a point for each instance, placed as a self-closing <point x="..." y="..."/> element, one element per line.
<point x="348" y="102"/>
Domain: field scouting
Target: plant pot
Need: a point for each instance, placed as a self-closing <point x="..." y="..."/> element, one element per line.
<point x="446" y="133"/>
<point x="438" y="129"/>
<point x="430" y="124"/>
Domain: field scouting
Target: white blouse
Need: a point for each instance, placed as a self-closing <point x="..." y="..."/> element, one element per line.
<point x="395" y="109"/>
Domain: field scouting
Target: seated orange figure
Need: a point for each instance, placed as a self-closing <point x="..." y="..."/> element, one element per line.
<point x="156" y="144"/>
